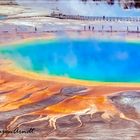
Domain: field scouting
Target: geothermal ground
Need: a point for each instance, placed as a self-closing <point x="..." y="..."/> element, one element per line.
<point x="56" y="110"/>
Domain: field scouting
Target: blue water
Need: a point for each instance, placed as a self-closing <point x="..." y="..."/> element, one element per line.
<point x="2" y="17"/>
<point x="94" y="60"/>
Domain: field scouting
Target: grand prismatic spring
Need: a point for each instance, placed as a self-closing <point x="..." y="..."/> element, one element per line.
<point x="88" y="59"/>
<point x="69" y="78"/>
<point x="83" y="75"/>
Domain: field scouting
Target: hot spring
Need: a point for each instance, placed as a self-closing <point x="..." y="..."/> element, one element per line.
<point x="89" y="59"/>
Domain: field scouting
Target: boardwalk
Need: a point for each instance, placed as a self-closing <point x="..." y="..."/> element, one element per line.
<point x="78" y="17"/>
<point x="61" y="23"/>
<point x="94" y="29"/>
<point x="93" y="18"/>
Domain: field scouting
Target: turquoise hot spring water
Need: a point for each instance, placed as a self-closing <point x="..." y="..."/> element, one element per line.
<point x="87" y="59"/>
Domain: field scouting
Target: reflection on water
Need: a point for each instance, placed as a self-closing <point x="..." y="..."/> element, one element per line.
<point x="94" y="60"/>
<point x="89" y="8"/>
